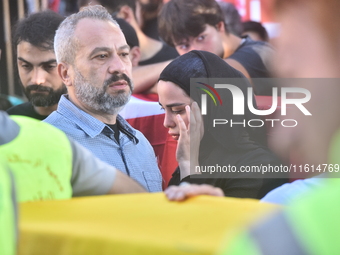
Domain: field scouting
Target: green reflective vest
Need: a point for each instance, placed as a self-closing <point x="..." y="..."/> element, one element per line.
<point x="41" y="160"/>
<point x="7" y="214"/>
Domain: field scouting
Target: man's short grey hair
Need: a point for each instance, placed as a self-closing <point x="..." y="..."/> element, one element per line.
<point x="65" y="45"/>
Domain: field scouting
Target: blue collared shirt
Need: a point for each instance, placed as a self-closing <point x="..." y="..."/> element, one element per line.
<point x="133" y="155"/>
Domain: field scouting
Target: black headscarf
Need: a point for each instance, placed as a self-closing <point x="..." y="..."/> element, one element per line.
<point x="223" y="145"/>
<point x="202" y="64"/>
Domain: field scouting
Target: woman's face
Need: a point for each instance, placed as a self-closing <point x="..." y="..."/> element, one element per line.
<point x="173" y="100"/>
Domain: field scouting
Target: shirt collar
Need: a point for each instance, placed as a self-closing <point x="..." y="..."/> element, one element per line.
<point x="89" y="124"/>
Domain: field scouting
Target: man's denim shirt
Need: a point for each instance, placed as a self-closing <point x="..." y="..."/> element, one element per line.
<point x="133" y="155"/>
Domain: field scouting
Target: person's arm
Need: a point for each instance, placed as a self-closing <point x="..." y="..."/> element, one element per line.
<point x="91" y="176"/>
<point x="238" y="66"/>
<point x="145" y="77"/>
<point x="124" y="184"/>
<point x="186" y="190"/>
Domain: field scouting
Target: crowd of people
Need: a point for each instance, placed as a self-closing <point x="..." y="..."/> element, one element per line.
<point x="79" y="71"/>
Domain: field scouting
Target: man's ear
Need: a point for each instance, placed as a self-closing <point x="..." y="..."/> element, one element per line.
<point x="126" y="13"/>
<point x="135" y="56"/>
<point x="64" y="73"/>
<point x="220" y="26"/>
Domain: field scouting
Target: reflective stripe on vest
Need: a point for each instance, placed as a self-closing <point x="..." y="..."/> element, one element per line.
<point x="41" y="160"/>
<point x="7" y="214"/>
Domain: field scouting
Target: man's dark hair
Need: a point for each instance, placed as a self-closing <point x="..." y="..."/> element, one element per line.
<point x="38" y="29"/>
<point x="115" y="5"/>
<point x="129" y="33"/>
<point x="181" y="19"/>
<point x="256" y="27"/>
<point x="82" y="3"/>
<point x="232" y="18"/>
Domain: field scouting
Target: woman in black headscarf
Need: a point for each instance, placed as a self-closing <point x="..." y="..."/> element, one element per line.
<point x="229" y="146"/>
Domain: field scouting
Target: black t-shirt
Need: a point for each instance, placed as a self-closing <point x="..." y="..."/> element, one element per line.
<point x="164" y="54"/>
<point x="25" y="109"/>
<point x="255" y="57"/>
<point x="150" y="28"/>
<point x="115" y="129"/>
<point x="237" y="184"/>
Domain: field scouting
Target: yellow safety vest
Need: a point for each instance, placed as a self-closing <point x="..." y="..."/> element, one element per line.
<point x="41" y="160"/>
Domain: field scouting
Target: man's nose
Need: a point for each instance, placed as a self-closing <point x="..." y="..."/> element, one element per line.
<point x="117" y="65"/>
<point x="38" y="76"/>
<point x="196" y="46"/>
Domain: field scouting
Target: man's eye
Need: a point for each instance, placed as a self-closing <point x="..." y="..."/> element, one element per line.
<point x="200" y="38"/>
<point x="183" y="46"/>
<point x="102" y="56"/>
<point x="49" y="67"/>
<point x="25" y="66"/>
<point x="124" y="54"/>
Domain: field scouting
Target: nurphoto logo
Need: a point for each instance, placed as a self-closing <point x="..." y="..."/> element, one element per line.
<point x="280" y="99"/>
<point x="238" y="99"/>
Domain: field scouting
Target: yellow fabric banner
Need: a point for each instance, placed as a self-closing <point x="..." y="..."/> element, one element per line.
<point x="133" y="224"/>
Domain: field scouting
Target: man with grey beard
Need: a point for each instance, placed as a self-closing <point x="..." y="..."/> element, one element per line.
<point x="94" y="64"/>
<point x="33" y="37"/>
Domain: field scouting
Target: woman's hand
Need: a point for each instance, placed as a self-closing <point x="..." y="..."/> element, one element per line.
<point x="187" y="152"/>
<point x="182" y="192"/>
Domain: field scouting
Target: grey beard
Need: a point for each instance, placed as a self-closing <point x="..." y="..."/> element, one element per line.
<point x="97" y="98"/>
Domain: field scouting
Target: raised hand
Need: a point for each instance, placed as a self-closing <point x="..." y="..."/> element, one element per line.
<point x="187" y="152"/>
